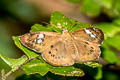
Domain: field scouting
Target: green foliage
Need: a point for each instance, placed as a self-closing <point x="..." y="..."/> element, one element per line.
<point x="117" y="21"/>
<point x="41" y="67"/>
<point x="31" y="77"/>
<point x="39" y="27"/>
<point x="91" y="8"/>
<point x="20" y="10"/>
<point x="60" y="21"/>
<point x="109" y="75"/>
<point x="109" y="55"/>
<point x="94" y="7"/>
<point x="111" y="43"/>
<point x="14" y="63"/>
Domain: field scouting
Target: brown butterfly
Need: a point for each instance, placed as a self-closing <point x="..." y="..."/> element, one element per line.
<point x="67" y="48"/>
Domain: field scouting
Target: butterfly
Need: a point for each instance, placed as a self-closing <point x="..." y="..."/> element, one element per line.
<point x="67" y="48"/>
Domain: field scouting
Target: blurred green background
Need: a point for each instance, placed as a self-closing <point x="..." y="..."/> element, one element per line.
<point x="17" y="17"/>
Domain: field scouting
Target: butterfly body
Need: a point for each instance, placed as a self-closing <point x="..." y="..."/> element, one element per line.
<point x="67" y="48"/>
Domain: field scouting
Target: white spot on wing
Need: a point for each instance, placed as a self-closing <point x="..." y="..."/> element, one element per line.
<point x="40" y="36"/>
<point x="35" y="40"/>
<point x="88" y="31"/>
<point x="39" y="41"/>
<point x="91" y="35"/>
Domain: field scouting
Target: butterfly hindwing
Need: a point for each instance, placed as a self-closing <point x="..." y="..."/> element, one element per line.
<point x="58" y="55"/>
<point x="86" y="51"/>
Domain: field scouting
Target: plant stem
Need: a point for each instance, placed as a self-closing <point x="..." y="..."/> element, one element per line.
<point x="4" y="76"/>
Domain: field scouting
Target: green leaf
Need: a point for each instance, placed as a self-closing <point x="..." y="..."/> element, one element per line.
<point x="93" y="64"/>
<point x="108" y="54"/>
<point x="91" y="8"/>
<point x="98" y="74"/>
<point x="31" y="77"/>
<point x="13" y="63"/>
<point x="39" y="27"/>
<point x="110" y="75"/>
<point x="28" y="52"/>
<point x="114" y="10"/>
<point x="117" y="21"/>
<point x="110" y="7"/>
<point x="67" y="71"/>
<point x="48" y="28"/>
<point x="105" y="3"/>
<point x="114" y="42"/>
<point x="79" y="25"/>
<point x="35" y="66"/>
<point x="41" y="67"/>
<point x="60" y="21"/>
<point x="117" y="5"/>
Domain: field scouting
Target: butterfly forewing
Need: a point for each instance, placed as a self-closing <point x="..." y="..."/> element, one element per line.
<point x="93" y="35"/>
<point x="51" y="45"/>
<point x="39" y="41"/>
<point x="87" y="41"/>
